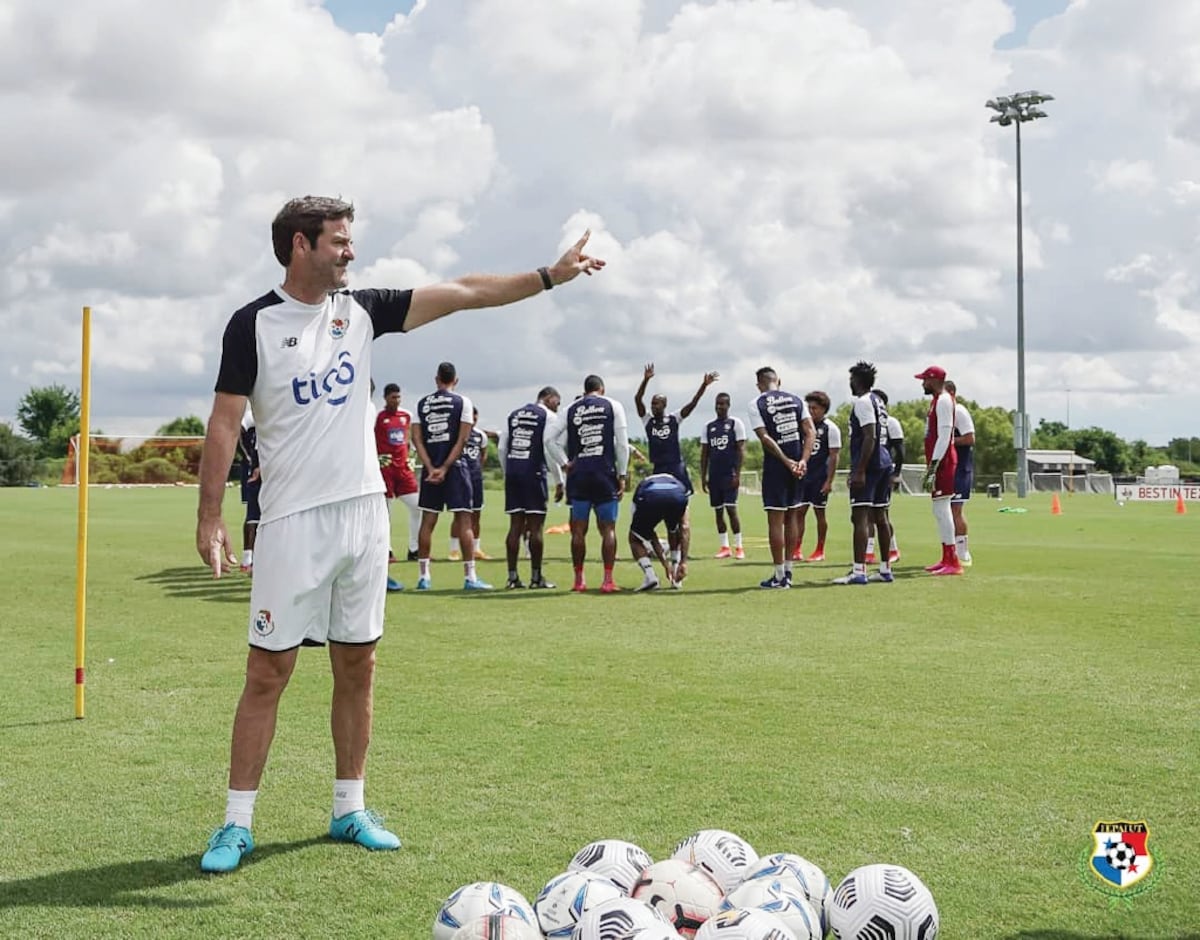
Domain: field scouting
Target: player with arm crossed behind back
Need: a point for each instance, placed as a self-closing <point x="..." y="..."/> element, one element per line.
<point x="822" y="467"/>
<point x="527" y="451"/>
<point x="722" y="451"/>
<point x="782" y="423"/>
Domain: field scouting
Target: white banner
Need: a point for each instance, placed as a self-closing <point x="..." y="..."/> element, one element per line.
<point x="1129" y="492"/>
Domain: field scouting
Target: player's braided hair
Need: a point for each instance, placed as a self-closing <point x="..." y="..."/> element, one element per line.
<point x="865" y="371"/>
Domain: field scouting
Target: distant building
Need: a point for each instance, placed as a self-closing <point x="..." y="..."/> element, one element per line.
<point x="1066" y="462"/>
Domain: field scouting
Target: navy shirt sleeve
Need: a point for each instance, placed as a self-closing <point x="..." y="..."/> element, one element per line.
<point x="239" y="354"/>
<point x="388" y="309"/>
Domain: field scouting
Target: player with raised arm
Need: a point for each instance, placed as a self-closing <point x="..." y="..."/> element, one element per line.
<point x="722" y="452"/>
<point x="964" y="475"/>
<point x="594" y="438"/>
<point x="661" y="497"/>
<point x="870" y="474"/>
<point x="528" y="450"/>
<point x="393" y="429"/>
<point x="941" y="464"/>
<point x="822" y="467"/>
<point x="301" y="354"/>
<point x="782" y="423"/>
<point x="442" y="426"/>
<point x="662" y="427"/>
<point x="895" y="444"/>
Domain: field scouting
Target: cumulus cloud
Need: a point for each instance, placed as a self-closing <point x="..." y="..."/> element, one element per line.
<point x="802" y="182"/>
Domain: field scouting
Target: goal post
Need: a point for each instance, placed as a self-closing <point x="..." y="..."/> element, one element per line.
<point x="135" y="460"/>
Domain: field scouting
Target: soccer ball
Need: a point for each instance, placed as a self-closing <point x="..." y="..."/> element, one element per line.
<point x="616" y="919"/>
<point x="497" y="927"/>
<point x="781" y="899"/>
<point x="473" y="901"/>
<point x="659" y="932"/>
<point x="620" y="862"/>
<point x="1121" y="856"/>
<point x="681" y="891"/>
<point x="785" y="866"/>
<point x="720" y="854"/>
<point x="883" y="900"/>
<point x="567" y="897"/>
<point x="744" y="923"/>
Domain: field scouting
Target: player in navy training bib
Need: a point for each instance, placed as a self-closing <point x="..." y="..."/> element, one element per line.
<point x="722" y="450"/>
<point x="661" y="497"/>
<point x="822" y="466"/>
<point x="870" y="474"/>
<point x="662" y="427"/>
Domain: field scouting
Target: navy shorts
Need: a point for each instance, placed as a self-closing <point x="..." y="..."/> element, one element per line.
<point x="525" y="493"/>
<point x="876" y="491"/>
<point x="810" y="492"/>
<point x="591" y="487"/>
<point x="647" y="515"/>
<point x="476" y="492"/>
<point x="250" y="498"/>
<point x="722" y="494"/>
<point x="453" y="493"/>
<point x="964" y="481"/>
<point x="780" y="487"/>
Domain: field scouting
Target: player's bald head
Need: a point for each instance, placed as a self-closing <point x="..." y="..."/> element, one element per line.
<point x="593" y="383"/>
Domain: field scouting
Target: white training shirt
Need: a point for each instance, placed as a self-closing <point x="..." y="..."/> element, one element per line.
<point x="963" y="422"/>
<point x="833" y="438"/>
<point x="306" y="369"/>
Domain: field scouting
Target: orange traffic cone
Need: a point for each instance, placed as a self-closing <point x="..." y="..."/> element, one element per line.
<point x="1180" y="505"/>
<point x="1055" y="506"/>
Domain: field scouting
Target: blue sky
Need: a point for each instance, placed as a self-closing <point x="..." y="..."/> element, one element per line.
<point x="362" y="16"/>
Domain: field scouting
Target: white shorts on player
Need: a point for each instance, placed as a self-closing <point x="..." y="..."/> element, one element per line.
<point x="320" y="576"/>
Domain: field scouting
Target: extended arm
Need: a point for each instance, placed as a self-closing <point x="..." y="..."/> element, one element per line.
<point x="647" y="375"/>
<point x="220" y="441"/>
<point x="709" y="378"/>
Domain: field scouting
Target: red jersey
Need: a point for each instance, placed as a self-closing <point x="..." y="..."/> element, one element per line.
<point x="391" y="435"/>
<point x="946" y="401"/>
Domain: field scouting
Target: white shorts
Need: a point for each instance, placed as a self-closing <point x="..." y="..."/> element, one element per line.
<point x="321" y="576"/>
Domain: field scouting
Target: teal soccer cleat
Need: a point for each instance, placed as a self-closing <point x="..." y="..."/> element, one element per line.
<point x="365" y="828"/>
<point x="226" y="848"/>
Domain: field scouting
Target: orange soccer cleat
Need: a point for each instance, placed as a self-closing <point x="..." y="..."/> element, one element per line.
<point x="724" y="552"/>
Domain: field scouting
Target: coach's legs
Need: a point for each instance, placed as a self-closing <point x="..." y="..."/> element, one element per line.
<point x="267" y="675"/>
<point x="351" y="712"/>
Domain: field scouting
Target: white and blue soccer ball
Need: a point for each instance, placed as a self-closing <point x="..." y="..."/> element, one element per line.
<point x="497" y="927"/>
<point x="619" y="861"/>
<point x="617" y="919"/>
<point x="744" y="923"/>
<point x="723" y="855"/>
<point x="883" y="901"/>
<point x="567" y="897"/>
<point x="781" y="898"/>
<point x="684" y="894"/>
<point x="809" y="878"/>
<point x="657" y="932"/>
<point x="474" y="901"/>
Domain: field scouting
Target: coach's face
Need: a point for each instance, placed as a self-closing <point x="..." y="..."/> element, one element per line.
<point x="327" y="262"/>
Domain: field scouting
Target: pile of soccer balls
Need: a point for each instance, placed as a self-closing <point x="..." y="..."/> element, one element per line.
<point x="713" y="887"/>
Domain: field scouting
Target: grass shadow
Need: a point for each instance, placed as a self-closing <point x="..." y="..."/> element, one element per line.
<point x="198" y="583"/>
<point x="124" y="884"/>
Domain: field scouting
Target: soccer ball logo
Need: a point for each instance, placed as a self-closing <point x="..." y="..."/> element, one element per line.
<point x="1121" y="856"/>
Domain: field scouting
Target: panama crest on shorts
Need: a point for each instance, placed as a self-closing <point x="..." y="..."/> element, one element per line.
<point x="263" y="624"/>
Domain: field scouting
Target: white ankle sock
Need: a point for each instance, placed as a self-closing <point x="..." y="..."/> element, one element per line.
<point x="347" y="797"/>
<point x="239" y="807"/>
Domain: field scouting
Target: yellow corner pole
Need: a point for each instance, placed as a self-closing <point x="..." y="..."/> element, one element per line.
<point x="82" y="452"/>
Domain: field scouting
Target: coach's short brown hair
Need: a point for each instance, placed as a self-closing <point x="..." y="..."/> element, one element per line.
<point x="307" y="215"/>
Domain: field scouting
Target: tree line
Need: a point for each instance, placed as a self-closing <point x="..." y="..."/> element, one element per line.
<point x="48" y="417"/>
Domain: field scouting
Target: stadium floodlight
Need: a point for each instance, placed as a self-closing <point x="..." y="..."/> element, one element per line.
<point x="1017" y="109"/>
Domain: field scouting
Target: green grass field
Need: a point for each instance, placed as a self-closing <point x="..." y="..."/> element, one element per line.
<point x="971" y="729"/>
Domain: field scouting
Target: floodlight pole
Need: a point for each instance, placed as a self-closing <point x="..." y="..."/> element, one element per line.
<point x="1016" y="109"/>
<point x="1022" y="417"/>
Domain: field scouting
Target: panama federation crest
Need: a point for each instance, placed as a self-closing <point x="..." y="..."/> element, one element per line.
<point x="338" y="327"/>
<point x="1120" y="863"/>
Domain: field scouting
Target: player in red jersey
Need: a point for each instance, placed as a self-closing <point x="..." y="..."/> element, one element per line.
<point x="941" y="461"/>
<point x="391" y="443"/>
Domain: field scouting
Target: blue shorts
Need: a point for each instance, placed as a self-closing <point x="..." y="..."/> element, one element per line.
<point x="810" y="491"/>
<point x="964" y="481"/>
<point x="250" y="498"/>
<point x="679" y="472"/>
<point x="525" y="493"/>
<point x="648" y="514"/>
<point x="453" y="493"/>
<point x="722" y="494"/>
<point x="875" y="492"/>
<point x="476" y="492"/>
<point x="605" y="511"/>
<point x="780" y="487"/>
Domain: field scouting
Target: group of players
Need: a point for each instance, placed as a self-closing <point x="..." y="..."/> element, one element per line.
<point x="583" y="450"/>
